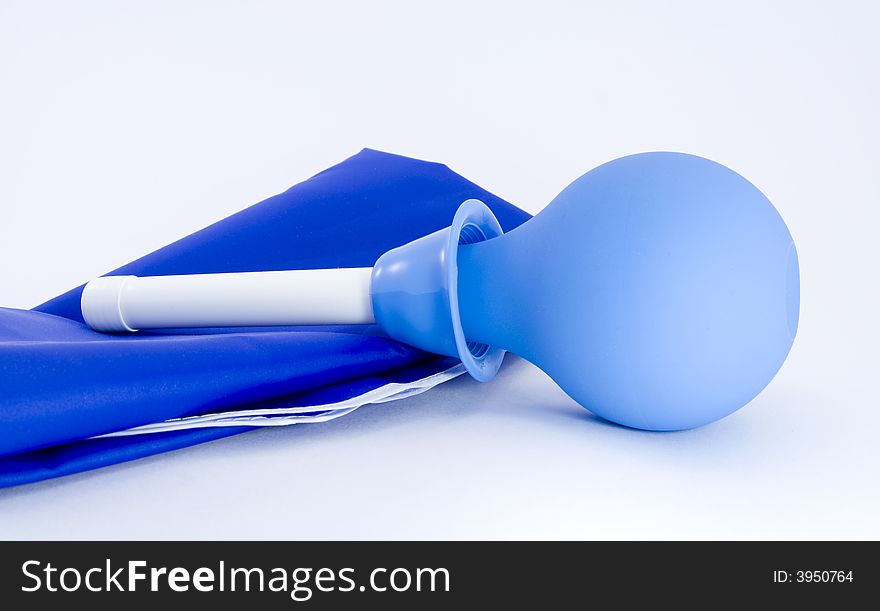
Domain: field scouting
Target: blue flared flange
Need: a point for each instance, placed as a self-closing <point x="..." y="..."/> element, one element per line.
<point x="414" y="291"/>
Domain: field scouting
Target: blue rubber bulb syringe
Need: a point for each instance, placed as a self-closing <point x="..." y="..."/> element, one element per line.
<point x="659" y="290"/>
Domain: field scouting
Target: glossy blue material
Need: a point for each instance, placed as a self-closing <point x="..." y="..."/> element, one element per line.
<point x="61" y="382"/>
<point x="660" y="291"/>
<point x="414" y="291"/>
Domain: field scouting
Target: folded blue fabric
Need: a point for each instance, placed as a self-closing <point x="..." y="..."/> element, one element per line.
<point x="62" y="383"/>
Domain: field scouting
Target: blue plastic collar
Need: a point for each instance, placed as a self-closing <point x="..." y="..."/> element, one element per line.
<point x="414" y="291"/>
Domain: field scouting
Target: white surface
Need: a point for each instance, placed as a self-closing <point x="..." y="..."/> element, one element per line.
<point x="289" y="297"/>
<point x="126" y="126"/>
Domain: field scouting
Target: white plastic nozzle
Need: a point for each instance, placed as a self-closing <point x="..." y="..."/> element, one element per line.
<point x="297" y="297"/>
<point x="101" y="304"/>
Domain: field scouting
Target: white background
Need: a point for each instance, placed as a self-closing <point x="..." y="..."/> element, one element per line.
<point x="124" y="126"/>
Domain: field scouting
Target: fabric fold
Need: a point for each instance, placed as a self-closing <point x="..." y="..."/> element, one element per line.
<point x="62" y="384"/>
